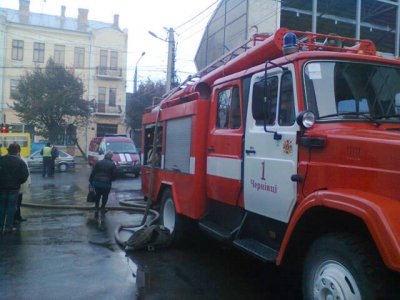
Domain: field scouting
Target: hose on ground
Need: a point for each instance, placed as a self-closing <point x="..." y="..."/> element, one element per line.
<point x="138" y="204"/>
<point x="80" y="207"/>
<point x="130" y="205"/>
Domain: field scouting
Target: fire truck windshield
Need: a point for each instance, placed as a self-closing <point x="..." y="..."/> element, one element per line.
<point x="350" y="90"/>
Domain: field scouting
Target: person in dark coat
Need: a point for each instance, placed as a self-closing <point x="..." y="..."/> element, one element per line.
<point x="13" y="172"/>
<point x="103" y="173"/>
<point x="54" y="155"/>
<point x="22" y="190"/>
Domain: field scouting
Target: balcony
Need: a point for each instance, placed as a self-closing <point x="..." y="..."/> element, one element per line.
<point x="108" y="73"/>
<point x="101" y="109"/>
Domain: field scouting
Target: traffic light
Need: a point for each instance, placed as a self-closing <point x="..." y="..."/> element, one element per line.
<point x="4" y="128"/>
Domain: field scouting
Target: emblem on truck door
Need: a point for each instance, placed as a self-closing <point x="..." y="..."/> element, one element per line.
<point x="287" y="147"/>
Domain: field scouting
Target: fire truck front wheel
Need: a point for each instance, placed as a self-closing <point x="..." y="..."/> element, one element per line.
<point x="342" y="266"/>
<point x="168" y="216"/>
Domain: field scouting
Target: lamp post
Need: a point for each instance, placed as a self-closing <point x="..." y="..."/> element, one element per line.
<point x="135" y="76"/>
<point x="171" y="56"/>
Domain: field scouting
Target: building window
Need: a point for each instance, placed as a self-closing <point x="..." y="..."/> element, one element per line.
<point x="112" y="97"/>
<point x="38" y="52"/>
<point x="102" y="95"/>
<point x="18" y="50"/>
<point x="103" y="129"/>
<point x="113" y="60"/>
<point x="14" y="88"/>
<point x="59" y="54"/>
<point x="101" y="105"/>
<point x="103" y="58"/>
<point x="79" y="57"/>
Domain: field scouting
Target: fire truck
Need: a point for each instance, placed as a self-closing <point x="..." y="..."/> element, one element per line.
<point x="288" y="148"/>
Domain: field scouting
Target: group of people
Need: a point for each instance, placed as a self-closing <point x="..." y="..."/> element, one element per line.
<point x="49" y="154"/>
<point x="14" y="178"/>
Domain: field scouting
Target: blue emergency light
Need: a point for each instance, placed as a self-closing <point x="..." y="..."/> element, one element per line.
<point x="290" y="43"/>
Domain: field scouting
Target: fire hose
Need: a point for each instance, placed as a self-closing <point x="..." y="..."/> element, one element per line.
<point x="126" y="205"/>
<point x="130" y="205"/>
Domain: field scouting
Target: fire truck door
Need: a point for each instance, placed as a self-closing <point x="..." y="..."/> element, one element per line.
<point x="224" y="144"/>
<point x="271" y="152"/>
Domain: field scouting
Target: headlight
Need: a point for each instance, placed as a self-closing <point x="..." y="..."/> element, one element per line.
<point x="306" y="119"/>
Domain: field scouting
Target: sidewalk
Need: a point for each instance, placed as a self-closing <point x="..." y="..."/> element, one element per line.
<point x="66" y="254"/>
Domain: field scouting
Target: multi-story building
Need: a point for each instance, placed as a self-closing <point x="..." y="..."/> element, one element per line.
<point x="235" y="21"/>
<point x="94" y="51"/>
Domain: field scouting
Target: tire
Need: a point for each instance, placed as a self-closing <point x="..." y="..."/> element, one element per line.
<point x="343" y="266"/>
<point x="63" y="167"/>
<point x="169" y="217"/>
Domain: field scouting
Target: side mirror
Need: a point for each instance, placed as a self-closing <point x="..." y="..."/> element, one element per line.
<point x="306" y="119"/>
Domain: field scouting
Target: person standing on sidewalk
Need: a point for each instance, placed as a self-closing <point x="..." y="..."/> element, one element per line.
<point x="13" y="172"/>
<point x="46" y="154"/>
<point x="22" y="190"/>
<point x="101" y="178"/>
<point x="54" y="155"/>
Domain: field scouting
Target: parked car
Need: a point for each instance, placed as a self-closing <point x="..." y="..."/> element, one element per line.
<point x="63" y="163"/>
<point x="35" y="146"/>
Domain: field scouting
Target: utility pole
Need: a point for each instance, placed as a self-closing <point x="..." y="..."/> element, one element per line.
<point x="171" y="60"/>
<point x="171" y="73"/>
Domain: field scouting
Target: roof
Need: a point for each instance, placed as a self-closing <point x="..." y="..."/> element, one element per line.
<point x="50" y="21"/>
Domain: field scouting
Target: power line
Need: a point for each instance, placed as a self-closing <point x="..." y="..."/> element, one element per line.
<point x="200" y="13"/>
<point x="198" y="22"/>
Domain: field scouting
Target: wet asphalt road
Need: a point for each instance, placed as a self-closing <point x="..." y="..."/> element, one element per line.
<point x="71" y="254"/>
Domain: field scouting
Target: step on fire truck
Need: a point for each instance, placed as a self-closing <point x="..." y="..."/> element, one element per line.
<point x="288" y="148"/>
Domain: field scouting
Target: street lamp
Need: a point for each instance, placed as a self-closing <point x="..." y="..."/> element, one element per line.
<point x="135" y="76"/>
<point x="171" y="56"/>
<point x="156" y="36"/>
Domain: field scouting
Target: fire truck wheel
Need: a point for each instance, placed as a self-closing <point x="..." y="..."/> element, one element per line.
<point x="168" y="216"/>
<point x="342" y="266"/>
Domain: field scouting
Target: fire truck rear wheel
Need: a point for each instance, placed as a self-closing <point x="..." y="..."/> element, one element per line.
<point x="342" y="266"/>
<point x="169" y="217"/>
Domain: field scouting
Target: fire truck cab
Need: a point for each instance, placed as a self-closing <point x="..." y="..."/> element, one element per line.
<point x="290" y="152"/>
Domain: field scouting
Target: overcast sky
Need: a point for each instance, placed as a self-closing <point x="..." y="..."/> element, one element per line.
<point x="187" y="17"/>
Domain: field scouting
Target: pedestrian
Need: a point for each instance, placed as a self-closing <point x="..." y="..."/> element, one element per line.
<point x="46" y="154"/>
<point x="22" y="190"/>
<point x="54" y="155"/>
<point x="103" y="173"/>
<point x="13" y="172"/>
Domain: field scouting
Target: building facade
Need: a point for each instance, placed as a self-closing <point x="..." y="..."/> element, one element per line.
<point x="235" y="21"/>
<point x="94" y="51"/>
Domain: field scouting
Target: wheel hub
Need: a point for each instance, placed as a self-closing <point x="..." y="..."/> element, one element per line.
<point x="334" y="282"/>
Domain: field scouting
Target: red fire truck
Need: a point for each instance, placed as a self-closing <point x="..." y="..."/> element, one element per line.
<point x="288" y="148"/>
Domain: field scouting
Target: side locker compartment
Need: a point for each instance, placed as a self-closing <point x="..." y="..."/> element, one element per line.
<point x="184" y="157"/>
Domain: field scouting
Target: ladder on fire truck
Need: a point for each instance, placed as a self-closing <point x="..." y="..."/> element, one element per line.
<point x="227" y="57"/>
<point x="250" y="43"/>
<point x="307" y="41"/>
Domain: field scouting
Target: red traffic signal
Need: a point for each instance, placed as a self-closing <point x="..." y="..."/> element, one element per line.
<point x="4" y="128"/>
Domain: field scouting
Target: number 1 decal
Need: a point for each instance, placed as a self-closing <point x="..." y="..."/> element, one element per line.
<point x="263" y="170"/>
